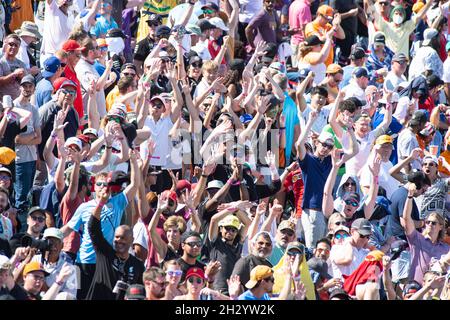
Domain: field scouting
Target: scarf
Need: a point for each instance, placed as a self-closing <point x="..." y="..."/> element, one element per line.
<point x="364" y="272"/>
<point x="304" y="274"/>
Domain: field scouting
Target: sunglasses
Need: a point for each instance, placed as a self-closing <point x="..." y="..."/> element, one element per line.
<point x="431" y="223"/>
<point x="364" y="237"/>
<point x="161" y="284"/>
<point x="101" y="184"/>
<point x="39" y="219"/>
<point x="127" y="74"/>
<point x="157" y="105"/>
<point x="71" y="92"/>
<point x="383" y="3"/>
<point x="193" y="244"/>
<point x="115" y="119"/>
<point x="340" y="236"/>
<point x="174" y="273"/>
<point x="13" y="44"/>
<point x="352" y="203"/>
<point x="197" y="65"/>
<point x="288" y="232"/>
<point x="5" y="178"/>
<point x="270" y="279"/>
<point x="294" y="253"/>
<point x="326" y="145"/>
<point x="208" y="11"/>
<point x="231" y="229"/>
<point x="347" y="184"/>
<point x="197" y="280"/>
<point x="153" y="23"/>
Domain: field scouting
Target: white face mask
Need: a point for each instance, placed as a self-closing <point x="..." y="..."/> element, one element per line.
<point x="397" y="19"/>
<point x="115" y="45"/>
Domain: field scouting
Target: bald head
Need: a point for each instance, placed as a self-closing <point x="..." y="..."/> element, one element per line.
<point x="123" y="239"/>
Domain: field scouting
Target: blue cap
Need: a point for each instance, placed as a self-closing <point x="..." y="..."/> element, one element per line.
<point x="303" y="73"/>
<point x="162" y="30"/>
<point x="360" y="72"/>
<point x="51" y="65"/>
<point x="246" y="118"/>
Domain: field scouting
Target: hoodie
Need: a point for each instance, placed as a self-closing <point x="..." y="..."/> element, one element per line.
<point x="340" y="191"/>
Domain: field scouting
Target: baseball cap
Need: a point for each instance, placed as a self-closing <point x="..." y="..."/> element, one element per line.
<point x="73" y="141"/>
<point x="411" y="287"/>
<point x="313" y="41"/>
<point x="230" y="221"/>
<point x="286" y="224"/>
<point x="334" y="68"/>
<point x="342" y="228"/>
<point x="431" y="158"/>
<point x="214" y="184"/>
<point x="51" y="65"/>
<point x="54" y="233"/>
<point x="36" y="209"/>
<point x="418" y="116"/>
<point x="182" y="185"/>
<point x="278" y="66"/>
<point x="399" y="57"/>
<point x="379" y="39"/>
<point x="326" y="10"/>
<point x="6" y="170"/>
<point x="160" y="98"/>
<point x="360" y="72"/>
<point x="384" y="139"/>
<point x="210" y="5"/>
<point x="118" y="177"/>
<point x="434" y="81"/>
<point x="257" y="274"/>
<point x="326" y="138"/>
<point x="63" y="82"/>
<point x="169" y="194"/>
<point x="358" y="53"/>
<point x="7" y="155"/>
<point x="34" y="266"/>
<point x="5" y="264"/>
<point x="27" y="79"/>
<point x="84" y="138"/>
<point x="101" y="42"/>
<point x="218" y="23"/>
<point x="195" y="272"/>
<point x="164" y="55"/>
<point x="339" y="293"/>
<point x="135" y="292"/>
<point x="154" y="17"/>
<point x="90" y="131"/>
<point x="194" y="29"/>
<point x="119" y="110"/>
<point x="162" y="30"/>
<point x="351" y="196"/>
<point x="195" y="59"/>
<point x="428" y="35"/>
<point x="295" y="245"/>
<point x="204" y="25"/>
<point x="115" y="33"/>
<point x="320" y="266"/>
<point x="418" y="6"/>
<point x="363" y="226"/>
<point x="72" y="45"/>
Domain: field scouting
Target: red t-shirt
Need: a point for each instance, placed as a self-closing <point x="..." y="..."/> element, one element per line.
<point x="428" y="105"/>
<point x="67" y="209"/>
<point x="214" y="52"/>
<point x="78" y="103"/>
<point x="294" y="183"/>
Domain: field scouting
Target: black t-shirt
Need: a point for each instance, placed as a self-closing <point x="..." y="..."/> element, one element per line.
<point x="109" y="268"/>
<point x="11" y="132"/>
<point x="227" y="255"/>
<point x="143" y="48"/>
<point x="342" y="6"/>
<point x="244" y="266"/>
<point x="185" y="267"/>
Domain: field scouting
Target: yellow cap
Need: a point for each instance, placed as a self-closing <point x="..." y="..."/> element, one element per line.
<point x="230" y="221"/>
<point x="418" y="6"/>
<point x="7" y="155"/>
<point x="384" y="139"/>
<point x="101" y="42"/>
<point x="33" y="266"/>
<point x="257" y="274"/>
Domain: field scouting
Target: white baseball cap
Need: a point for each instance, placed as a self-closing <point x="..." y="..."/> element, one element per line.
<point x="73" y="141"/>
<point x="53" y="232"/>
<point x="218" y="23"/>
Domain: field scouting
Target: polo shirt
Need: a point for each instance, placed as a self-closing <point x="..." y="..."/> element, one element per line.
<point x="314" y="28"/>
<point x="102" y="25"/>
<point x="159" y="131"/>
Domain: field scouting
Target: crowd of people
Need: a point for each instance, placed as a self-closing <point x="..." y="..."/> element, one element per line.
<point x="224" y="150"/>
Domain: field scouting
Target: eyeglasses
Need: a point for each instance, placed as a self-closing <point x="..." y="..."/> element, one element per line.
<point x="401" y="62"/>
<point x="326" y="146"/>
<point x="383" y="3"/>
<point x="39" y="219"/>
<point x="197" y="280"/>
<point x="5" y="178"/>
<point x="364" y="237"/>
<point x="13" y="44"/>
<point x="340" y="236"/>
<point x="348" y="184"/>
<point x="127" y="74"/>
<point x="352" y="203"/>
<point x="193" y="244"/>
<point x="429" y="164"/>
<point x="174" y="273"/>
<point x="197" y="65"/>
<point x="101" y="184"/>
<point x="115" y="119"/>
<point x="157" y="105"/>
<point x="153" y="23"/>
<point x="71" y="92"/>
<point x="208" y="11"/>
<point x="231" y="229"/>
<point x="431" y="223"/>
<point x="339" y="223"/>
<point x="95" y="48"/>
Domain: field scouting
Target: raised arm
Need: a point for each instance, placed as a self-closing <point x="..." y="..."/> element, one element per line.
<point x="59" y="174"/>
<point x="214" y="224"/>
<point x="299" y="93"/>
<point x="157" y="241"/>
<point x="373" y="191"/>
<point x="388" y="115"/>
<point x="300" y="144"/>
<point x="407" y="221"/>
<point x="130" y="191"/>
<point x="324" y="52"/>
<point x="275" y="213"/>
<point x="254" y="226"/>
<point x="421" y="14"/>
<point x="327" y="200"/>
<point x="395" y="171"/>
<point x="332" y="118"/>
<point x="223" y="49"/>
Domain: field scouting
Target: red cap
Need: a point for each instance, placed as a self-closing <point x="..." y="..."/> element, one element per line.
<point x="195" y="272"/>
<point x="183" y="184"/>
<point x="84" y="138"/>
<point x="63" y="82"/>
<point x="72" y="45"/>
<point x="169" y="194"/>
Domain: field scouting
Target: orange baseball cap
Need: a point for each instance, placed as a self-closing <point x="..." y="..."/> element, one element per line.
<point x="334" y="68"/>
<point x="326" y="11"/>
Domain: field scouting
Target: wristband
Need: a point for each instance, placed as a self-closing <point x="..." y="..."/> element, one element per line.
<point x="59" y="283"/>
<point x="108" y="147"/>
<point x="282" y="128"/>
<point x="230" y="181"/>
<point x="410" y="197"/>
<point x="205" y="175"/>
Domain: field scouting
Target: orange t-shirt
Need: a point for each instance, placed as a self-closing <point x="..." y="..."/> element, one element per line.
<point x="313" y="28"/>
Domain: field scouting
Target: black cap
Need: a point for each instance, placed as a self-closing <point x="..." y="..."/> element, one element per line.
<point x="399" y="57"/>
<point x="313" y="41"/>
<point x="189" y="234"/>
<point x="358" y="53"/>
<point x="360" y="72"/>
<point x="379" y="39"/>
<point x="118" y="178"/>
<point x="339" y="293"/>
<point x="320" y="266"/>
<point x="115" y="33"/>
<point x="419" y="116"/>
<point x="271" y="50"/>
<point x="434" y="81"/>
<point x="154" y="18"/>
<point x="162" y="30"/>
<point x="36" y="209"/>
<point x="135" y="292"/>
<point x="210" y="5"/>
<point x="128" y="65"/>
<point x="363" y="226"/>
<point x="237" y="64"/>
<point x="204" y="25"/>
<point x="195" y="59"/>
<point x="358" y="103"/>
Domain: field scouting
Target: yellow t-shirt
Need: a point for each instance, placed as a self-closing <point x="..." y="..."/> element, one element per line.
<point x="111" y="98"/>
<point x="161" y="7"/>
<point x="397" y="38"/>
<point x="314" y="28"/>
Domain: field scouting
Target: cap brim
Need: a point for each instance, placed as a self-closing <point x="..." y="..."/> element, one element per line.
<point x="250" y="284"/>
<point x="47" y="74"/>
<point x="364" y="232"/>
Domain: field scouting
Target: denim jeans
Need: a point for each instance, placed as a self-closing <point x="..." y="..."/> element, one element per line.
<point x="24" y="181"/>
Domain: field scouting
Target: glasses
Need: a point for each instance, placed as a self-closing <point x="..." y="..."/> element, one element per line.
<point x="174" y="273"/>
<point x="208" y="11"/>
<point x="197" y="280"/>
<point x="115" y="119"/>
<point x="153" y="23"/>
<point x="351" y="203"/>
<point x="429" y="164"/>
<point x="270" y="279"/>
<point x="127" y="74"/>
<point x="383" y="3"/>
<point x="193" y="244"/>
<point x="431" y="223"/>
<point x="71" y="92"/>
<point x="348" y="184"/>
<point x="263" y="243"/>
<point x="197" y="65"/>
<point x="5" y="178"/>
<point x="326" y="146"/>
<point x="364" y="237"/>
<point x="13" y="44"/>
<point x="340" y="236"/>
<point x="231" y="229"/>
<point x="101" y="184"/>
<point x="401" y="62"/>
<point x="39" y="219"/>
<point x="339" y="223"/>
<point x="157" y="105"/>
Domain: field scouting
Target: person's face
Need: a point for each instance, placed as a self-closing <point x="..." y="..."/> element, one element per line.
<point x="173" y="235"/>
<point x="216" y="33"/>
<point x="100" y="184"/>
<point x="323" y="20"/>
<point x="56" y="246"/>
<point x="349" y="185"/>
<point x="429" y="167"/>
<point x="27" y="90"/>
<point x="206" y="104"/>
<point x="318" y="101"/>
<point x="362" y="126"/>
<point x="384" y="5"/>
<point x="195" y="285"/>
<point x="128" y="72"/>
<point x="350" y="207"/>
<point x="262" y="247"/>
<point x="210" y="75"/>
<point x="360" y="240"/>
<point x="36" y="222"/>
<point x="3" y="277"/>
<point x="192" y="246"/>
<point x="106" y="8"/>
<point x="421" y="191"/>
<point x="322" y="251"/>
<point x="339" y="237"/>
<point x="195" y="69"/>
<point x="400" y="66"/>
<point x="385" y="151"/>
<point x="433" y="226"/>
<point x="268" y="284"/>
<point x="67" y="95"/>
<point x="228" y="233"/>
<point x="73" y="57"/>
<point x="157" y="287"/>
<point x="335" y="79"/>
<point x="323" y="149"/>
<point x="5" y="180"/>
<point x="122" y="240"/>
<point x="152" y="25"/>
<point x="362" y="82"/>
<point x="94" y="53"/>
<point x="283" y="237"/>
<point x="34" y="281"/>
<point x="11" y="47"/>
<point x="209" y="13"/>
<point x="268" y="5"/>
<point x="173" y="274"/>
<point x="158" y="108"/>
<point x="397" y="13"/>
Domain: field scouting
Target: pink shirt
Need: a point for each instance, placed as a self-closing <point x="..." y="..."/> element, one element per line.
<point x="299" y="16"/>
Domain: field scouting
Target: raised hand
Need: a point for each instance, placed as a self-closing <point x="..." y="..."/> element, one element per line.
<point x="234" y="285"/>
<point x="171" y="71"/>
<point x="151" y="145"/>
<point x="65" y="272"/>
<point x="276" y="209"/>
<point x="261" y="208"/>
<point x="209" y="166"/>
<point x="411" y="189"/>
<point x="175" y="178"/>
<point x="336" y="157"/>
<point x="300" y="291"/>
<point x="416" y="154"/>
<point x="260" y="48"/>
<point x="59" y="120"/>
<point x="293" y="166"/>
<point x="163" y="204"/>
<point x="375" y="167"/>
<point x="212" y="268"/>
<point x="188" y="199"/>
<point x="270" y="158"/>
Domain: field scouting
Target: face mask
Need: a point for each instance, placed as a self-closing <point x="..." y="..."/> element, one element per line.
<point x="115" y="45"/>
<point x="397" y="19"/>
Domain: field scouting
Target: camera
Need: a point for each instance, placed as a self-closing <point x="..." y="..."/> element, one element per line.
<point x="42" y="245"/>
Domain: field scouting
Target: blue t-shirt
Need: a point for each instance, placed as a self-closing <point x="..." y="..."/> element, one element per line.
<point x="248" y="295"/>
<point x="290" y="114"/>
<point x="110" y="217"/>
<point x="347" y="76"/>
<point x="44" y="89"/>
<point x="99" y="68"/>
<point x="102" y="26"/>
<point x="315" y="173"/>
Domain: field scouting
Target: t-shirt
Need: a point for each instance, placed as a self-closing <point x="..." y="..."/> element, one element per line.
<point x="406" y="143"/>
<point x="347" y="76"/>
<point x="365" y="143"/>
<point x="28" y="152"/>
<point x="7" y="67"/>
<point x="111" y="215"/>
<point x="143" y="48"/>
<point x="299" y="17"/>
<point x="185" y="267"/>
<point x="385" y="180"/>
<point x="43" y="93"/>
<point x="159" y="132"/>
<point x="57" y="28"/>
<point x="395" y="36"/>
<point x="402" y="108"/>
<point x="315" y="174"/>
<point x="266" y="25"/>
<point x="358" y="257"/>
<point x="314" y="28"/>
<point x="425" y="59"/>
<point x="109" y="268"/>
<point x="67" y="209"/>
<point x="248" y="295"/>
<point x="391" y="82"/>
<point x="102" y="25"/>
<point x="245" y="265"/>
<point x="393" y="226"/>
<point x="153" y="6"/>
<point x="11" y="131"/>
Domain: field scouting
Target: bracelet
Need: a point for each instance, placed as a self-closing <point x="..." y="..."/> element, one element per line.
<point x="54" y="134"/>
<point x="410" y="197"/>
<point x="282" y="128"/>
<point x="205" y="175"/>
<point x="108" y="147"/>
<point x="59" y="283"/>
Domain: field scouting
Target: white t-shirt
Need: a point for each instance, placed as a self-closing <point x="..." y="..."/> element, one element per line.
<point x="355" y="164"/>
<point x="446" y="75"/>
<point x="321" y="121"/>
<point x="353" y="90"/>
<point x="402" y="108"/>
<point x="392" y="81"/>
<point x="140" y="235"/>
<point x="56" y="29"/>
<point x="319" y="70"/>
<point x="358" y="257"/>
<point x="385" y="180"/>
<point x="160" y="134"/>
<point x="406" y="143"/>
